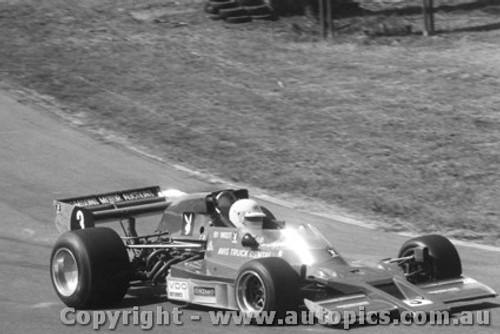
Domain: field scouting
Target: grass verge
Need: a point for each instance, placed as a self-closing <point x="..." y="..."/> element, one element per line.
<point x="401" y="127"/>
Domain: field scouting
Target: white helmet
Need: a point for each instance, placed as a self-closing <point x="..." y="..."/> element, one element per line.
<point x="244" y="208"/>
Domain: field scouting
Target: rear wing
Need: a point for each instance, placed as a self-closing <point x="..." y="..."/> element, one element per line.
<point x="86" y="211"/>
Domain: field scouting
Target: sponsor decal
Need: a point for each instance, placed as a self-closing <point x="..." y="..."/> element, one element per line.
<point x="234" y="237"/>
<point x="210" y="246"/>
<point x="110" y="199"/>
<point x="229" y="235"/>
<point x="205" y="295"/>
<point x="202" y="291"/>
<point x="114" y="198"/>
<point x="177" y="289"/>
<point x="176" y="295"/>
<point x="138" y="195"/>
<point x="188" y="219"/>
<point x="223" y="251"/>
<point x="226" y="235"/>
<point x="243" y="253"/>
<point x="85" y="202"/>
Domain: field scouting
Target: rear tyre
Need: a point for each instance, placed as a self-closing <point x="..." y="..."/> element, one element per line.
<point x="90" y="268"/>
<point x="268" y="284"/>
<point x="440" y="262"/>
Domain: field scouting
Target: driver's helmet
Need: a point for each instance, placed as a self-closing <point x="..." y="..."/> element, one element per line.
<point x="246" y="212"/>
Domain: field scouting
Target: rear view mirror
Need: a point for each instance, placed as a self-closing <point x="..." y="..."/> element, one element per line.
<point x="421" y="254"/>
<point x="249" y="241"/>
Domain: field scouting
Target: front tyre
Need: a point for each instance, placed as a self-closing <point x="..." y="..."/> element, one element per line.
<point x="268" y="284"/>
<point x="441" y="260"/>
<point x="90" y="268"/>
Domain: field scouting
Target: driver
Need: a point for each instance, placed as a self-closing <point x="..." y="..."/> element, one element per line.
<point x="246" y="212"/>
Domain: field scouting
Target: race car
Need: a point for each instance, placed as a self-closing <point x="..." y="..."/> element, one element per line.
<point x="201" y="256"/>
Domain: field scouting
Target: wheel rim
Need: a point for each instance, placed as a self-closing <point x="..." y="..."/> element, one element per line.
<point x="65" y="272"/>
<point x="416" y="272"/>
<point x="251" y="293"/>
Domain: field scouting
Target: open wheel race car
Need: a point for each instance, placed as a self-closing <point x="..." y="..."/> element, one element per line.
<point x="202" y="258"/>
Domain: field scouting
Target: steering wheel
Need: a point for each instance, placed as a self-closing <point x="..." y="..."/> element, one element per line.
<point x="223" y="202"/>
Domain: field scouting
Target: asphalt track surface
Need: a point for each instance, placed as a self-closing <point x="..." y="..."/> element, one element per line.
<point x="42" y="158"/>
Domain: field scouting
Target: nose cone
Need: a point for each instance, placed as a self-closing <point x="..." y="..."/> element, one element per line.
<point x="337" y="268"/>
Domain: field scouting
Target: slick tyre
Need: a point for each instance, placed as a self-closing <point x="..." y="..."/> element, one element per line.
<point x="90" y="268"/>
<point x="442" y="261"/>
<point x="267" y="284"/>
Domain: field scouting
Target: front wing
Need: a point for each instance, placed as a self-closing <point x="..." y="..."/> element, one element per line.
<point x="400" y="295"/>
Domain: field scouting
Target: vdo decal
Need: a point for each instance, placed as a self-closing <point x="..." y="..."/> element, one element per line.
<point x="177" y="289"/>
